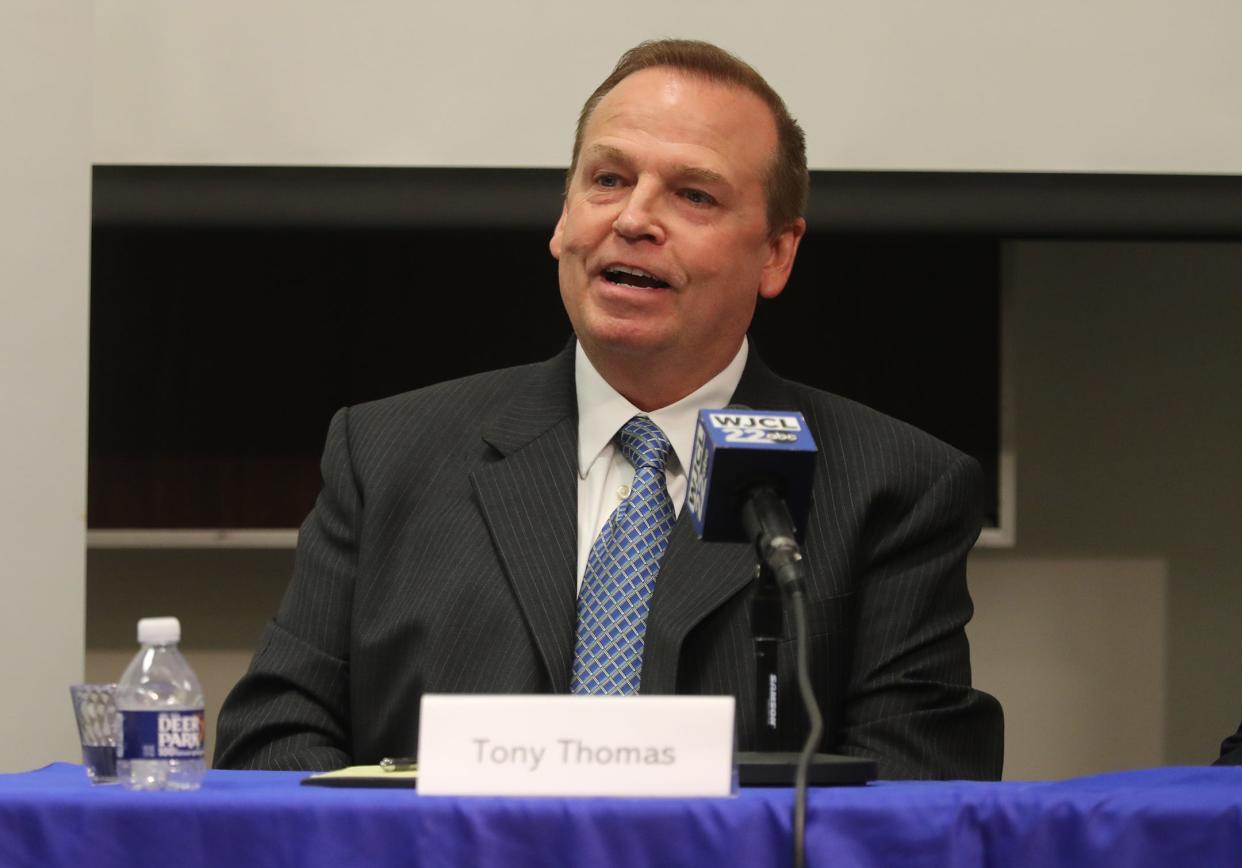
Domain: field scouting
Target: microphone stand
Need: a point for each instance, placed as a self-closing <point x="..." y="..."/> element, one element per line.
<point x="782" y="574"/>
<point x="768" y="766"/>
<point x="766" y="617"/>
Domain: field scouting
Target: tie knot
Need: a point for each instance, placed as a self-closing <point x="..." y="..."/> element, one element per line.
<point x="643" y="443"/>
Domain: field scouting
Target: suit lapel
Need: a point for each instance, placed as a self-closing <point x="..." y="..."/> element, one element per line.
<point x="529" y="501"/>
<point x="698" y="577"/>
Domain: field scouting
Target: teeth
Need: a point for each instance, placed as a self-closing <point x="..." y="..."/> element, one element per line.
<point x="637" y="272"/>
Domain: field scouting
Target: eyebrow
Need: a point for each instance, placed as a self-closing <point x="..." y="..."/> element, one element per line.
<point x="608" y="152"/>
<point x="696" y="174"/>
<point x="699" y="175"/>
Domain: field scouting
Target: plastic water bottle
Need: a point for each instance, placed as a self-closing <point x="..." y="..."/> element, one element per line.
<point x="161" y="707"/>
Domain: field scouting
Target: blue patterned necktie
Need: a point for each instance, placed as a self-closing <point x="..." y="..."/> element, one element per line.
<point x="621" y="570"/>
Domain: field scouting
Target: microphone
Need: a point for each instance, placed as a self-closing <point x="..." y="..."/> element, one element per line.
<point x="750" y="480"/>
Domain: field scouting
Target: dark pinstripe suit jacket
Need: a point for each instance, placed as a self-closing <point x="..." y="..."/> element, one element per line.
<point x="441" y="557"/>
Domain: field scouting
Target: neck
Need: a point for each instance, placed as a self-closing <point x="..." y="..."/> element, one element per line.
<point x="652" y="382"/>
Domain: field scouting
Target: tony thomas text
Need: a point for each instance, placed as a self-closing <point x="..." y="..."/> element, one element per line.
<point x="570" y="752"/>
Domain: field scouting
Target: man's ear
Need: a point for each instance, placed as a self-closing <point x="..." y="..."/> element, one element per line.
<point x="555" y="244"/>
<point x="781" y="252"/>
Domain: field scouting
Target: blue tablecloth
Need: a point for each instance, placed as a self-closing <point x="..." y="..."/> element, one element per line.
<point x="1157" y="817"/>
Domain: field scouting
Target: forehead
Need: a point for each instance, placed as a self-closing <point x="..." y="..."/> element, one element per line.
<point x="721" y="125"/>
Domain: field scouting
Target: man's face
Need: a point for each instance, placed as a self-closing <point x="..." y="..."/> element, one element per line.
<point x="663" y="243"/>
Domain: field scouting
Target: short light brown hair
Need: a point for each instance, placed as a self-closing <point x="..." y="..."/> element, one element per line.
<point x="787" y="182"/>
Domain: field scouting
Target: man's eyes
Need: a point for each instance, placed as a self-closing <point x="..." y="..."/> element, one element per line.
<point x="698" y="197"/>
<point x="611" y="181"/>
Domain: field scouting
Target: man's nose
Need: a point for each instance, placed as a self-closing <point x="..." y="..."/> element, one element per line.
<point x="639" y="220"/>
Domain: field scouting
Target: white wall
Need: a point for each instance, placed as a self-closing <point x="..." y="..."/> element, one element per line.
<point x="45" y="51"/>
<point x="1060" y="85"/>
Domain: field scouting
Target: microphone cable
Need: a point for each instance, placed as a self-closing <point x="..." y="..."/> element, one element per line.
<point x="816" y="720"/>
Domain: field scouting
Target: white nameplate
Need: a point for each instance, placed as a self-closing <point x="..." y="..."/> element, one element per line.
<point x="522" y="745"/>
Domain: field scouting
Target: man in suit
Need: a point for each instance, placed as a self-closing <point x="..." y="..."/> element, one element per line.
<point x="457" y="545"/>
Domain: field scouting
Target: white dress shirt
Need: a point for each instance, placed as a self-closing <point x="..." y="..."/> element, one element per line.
<point x="604" y="474"/>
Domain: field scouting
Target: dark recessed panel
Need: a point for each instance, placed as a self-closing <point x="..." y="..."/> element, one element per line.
<point x="219" y="353"/>
<point x="909" y="326"/>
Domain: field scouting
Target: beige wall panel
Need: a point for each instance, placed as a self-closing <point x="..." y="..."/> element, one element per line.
<point x="1075" y="652"/>
<point x="44" y="245"/>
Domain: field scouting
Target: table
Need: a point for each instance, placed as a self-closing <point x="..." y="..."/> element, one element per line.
<point x="1158" y="817"/>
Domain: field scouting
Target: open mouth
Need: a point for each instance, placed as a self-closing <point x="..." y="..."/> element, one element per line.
<point x="627" y="276"/>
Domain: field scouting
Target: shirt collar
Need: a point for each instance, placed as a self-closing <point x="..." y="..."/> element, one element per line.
<point x="602" y="410"/>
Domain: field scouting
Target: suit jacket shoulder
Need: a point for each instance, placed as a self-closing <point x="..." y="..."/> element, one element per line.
<point x="894" y="515"/>
<point x="456" y="410"/>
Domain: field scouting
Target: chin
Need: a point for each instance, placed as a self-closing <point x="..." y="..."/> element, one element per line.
<point x="626" y="339"/>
